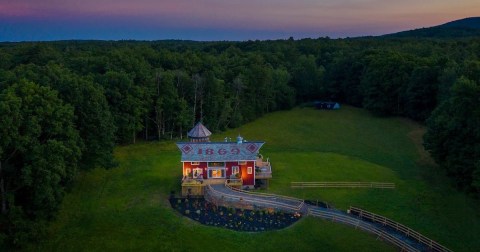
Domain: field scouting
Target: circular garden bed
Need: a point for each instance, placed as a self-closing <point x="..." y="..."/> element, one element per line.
<point x="233" y="218"/>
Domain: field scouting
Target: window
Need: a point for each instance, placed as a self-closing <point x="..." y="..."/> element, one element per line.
<point x="216" y="173"/>
<point x="197" y="172"/>
<point x="242" y="162"/>
<point x="187" y="172"/>
<point x="235" y="170"/>
<point x="195" y="163"/>
<point x="249" y="170"/>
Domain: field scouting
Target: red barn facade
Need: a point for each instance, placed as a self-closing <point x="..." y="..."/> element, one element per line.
<point x="236" y="163"/>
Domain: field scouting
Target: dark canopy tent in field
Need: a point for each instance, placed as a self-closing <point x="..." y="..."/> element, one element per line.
<point x="326" y="105"/>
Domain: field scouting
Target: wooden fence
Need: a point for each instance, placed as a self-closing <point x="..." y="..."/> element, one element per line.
<point x="345" y="219"/>
<point x="433" y="245"/>
<point x="381" y="185"/>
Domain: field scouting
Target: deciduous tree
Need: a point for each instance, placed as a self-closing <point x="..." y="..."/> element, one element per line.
<point x="453" y="136"/>
<point x="39" y="152"/>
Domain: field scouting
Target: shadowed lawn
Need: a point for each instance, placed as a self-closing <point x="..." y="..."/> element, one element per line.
<point x="126" y="208"/>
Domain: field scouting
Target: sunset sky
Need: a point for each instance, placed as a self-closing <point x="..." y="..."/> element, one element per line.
<point x="25" y="20"/>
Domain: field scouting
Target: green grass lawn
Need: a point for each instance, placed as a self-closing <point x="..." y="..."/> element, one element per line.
<point x="126" y="208"/>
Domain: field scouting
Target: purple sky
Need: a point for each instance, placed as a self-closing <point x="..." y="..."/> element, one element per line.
<point x="221" y="19"/>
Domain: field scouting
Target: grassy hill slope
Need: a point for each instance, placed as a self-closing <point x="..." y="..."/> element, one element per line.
<point x="126" y="208"/>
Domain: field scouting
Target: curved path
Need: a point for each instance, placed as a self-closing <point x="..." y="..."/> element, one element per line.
<point x="223" y="193"/>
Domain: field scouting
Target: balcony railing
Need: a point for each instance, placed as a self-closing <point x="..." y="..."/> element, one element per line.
<point x="234" y="182"/>
<point x="186" y="181"/>
<point x="263" y="170"/>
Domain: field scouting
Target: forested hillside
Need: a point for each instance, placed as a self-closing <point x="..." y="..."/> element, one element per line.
<point x="462" y="28"/>
<point x="65" y="105"/>
<point x="471" y="22"/>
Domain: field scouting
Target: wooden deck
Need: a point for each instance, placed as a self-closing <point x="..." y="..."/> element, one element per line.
<point x="203" y="182"/>
<point x="196" y="187"/>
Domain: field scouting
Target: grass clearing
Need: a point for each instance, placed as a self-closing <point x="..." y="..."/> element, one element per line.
<point x="126" y="208"/>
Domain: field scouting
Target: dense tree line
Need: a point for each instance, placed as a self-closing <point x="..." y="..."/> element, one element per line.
<point x="64" y="105"/>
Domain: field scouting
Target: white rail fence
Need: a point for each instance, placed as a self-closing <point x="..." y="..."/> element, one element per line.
<point x="341" y="218"/>
<point x="433" y="245"/>
<point x="381" y="185"/>
<point x="356" y="217"/>
<point x="266" y="195"/>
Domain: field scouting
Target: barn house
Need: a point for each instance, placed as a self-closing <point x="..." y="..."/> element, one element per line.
<point x="238" y="164"/>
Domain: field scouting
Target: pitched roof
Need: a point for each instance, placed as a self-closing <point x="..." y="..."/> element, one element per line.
<point x="199" y="131"/>
<point x="219" y="151"/>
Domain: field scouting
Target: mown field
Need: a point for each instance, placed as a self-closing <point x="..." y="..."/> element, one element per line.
<point x="126" y="208"/>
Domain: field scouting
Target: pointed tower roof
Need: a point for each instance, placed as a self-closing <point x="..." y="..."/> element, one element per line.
<point x="199" y="131"/>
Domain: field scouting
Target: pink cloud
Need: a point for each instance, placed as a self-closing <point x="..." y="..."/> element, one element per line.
<point x="15" y="10"/>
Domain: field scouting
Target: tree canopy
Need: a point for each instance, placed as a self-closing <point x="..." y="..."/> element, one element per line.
<point x="39" y="151"/>
<point x="453" y="138"/>
<point x="65" y="104"/>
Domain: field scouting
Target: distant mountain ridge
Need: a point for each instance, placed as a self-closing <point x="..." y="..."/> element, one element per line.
<point x="471" y="22"/>
<point x="462" y="28"/>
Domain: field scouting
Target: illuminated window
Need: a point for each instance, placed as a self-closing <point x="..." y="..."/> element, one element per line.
<point x="242" y="162"/>
<point x="216" y="173"/>
<point x="195" y="163"/>
<point x="249" y="170"/>
<point x="235" y="170"/>
<point x="188" y="171"/>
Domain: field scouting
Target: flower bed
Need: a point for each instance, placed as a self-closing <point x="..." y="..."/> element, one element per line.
<point x="232" y="218"/>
